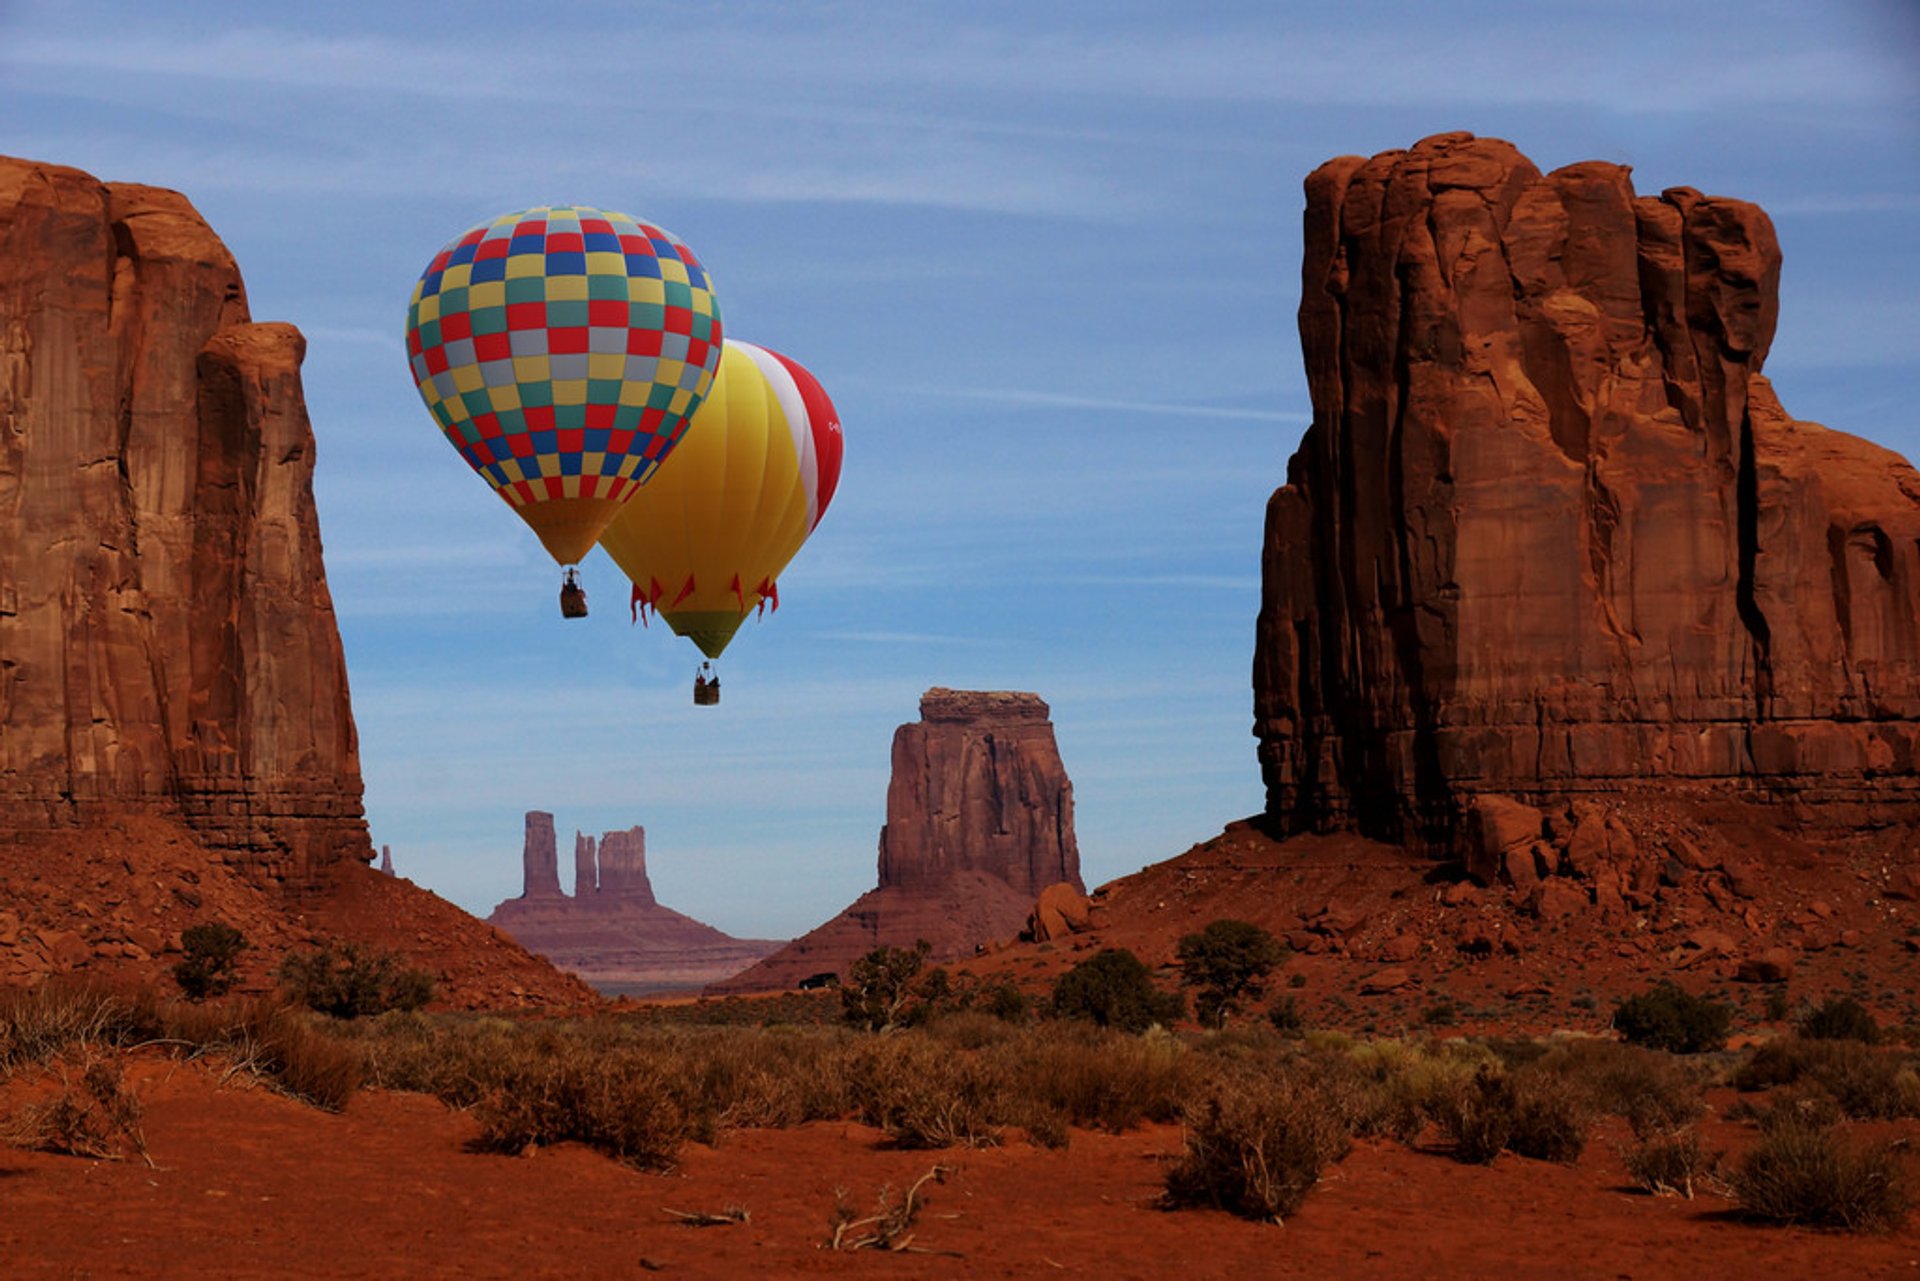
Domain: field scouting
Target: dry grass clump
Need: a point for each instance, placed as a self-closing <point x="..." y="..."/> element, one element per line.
<point x="618" y="1104"/>
<point x="1531" y="1111"/>
<point x="925" y="1096"/>
<point x="94" y="1115"/>
<point x="1866" y="1082"/>
<point x="1095" y="1079"/>
<point x="1256" y="1146"/>
<point x="1654" y="1092"/>
<point x="43" y="1022"/>
<point x="1806" y="1171"/>
<point x="1389" y="1088"/>
<point x="1670" y="1163"/>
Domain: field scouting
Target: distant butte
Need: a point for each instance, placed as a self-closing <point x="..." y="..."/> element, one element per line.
<point x="1551" y="535"/>
<point x="612" y="932"/>
<point x="979" y="823"/>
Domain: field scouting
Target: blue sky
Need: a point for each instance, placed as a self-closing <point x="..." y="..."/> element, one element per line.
<point x="1045" y="258"/>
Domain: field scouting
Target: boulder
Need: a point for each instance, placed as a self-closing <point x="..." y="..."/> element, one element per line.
<point x="1773" y="965"/>
<point x="1395" y="978"/>
<point x="1556" y="898"/>
<point x="1059" y="911"/>
<point x="1495" y="825"/>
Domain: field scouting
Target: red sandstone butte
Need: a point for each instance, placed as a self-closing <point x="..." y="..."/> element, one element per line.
<point x="176" y="740"/>
<point x="979" y="822"/>
<point x="167" y="641"/>
<point x="613" y="932"/>
<point x="1551" y="532"/>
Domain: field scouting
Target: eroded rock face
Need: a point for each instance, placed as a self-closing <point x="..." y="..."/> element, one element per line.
<point x="167" y="641"/>
<point x="977" y="785"/>
<point x="979" y="823"/>
<point x="612" y="932"/>
<point x="1551" y="532"/>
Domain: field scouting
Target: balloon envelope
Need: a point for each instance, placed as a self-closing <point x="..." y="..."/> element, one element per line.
<point x="710" y="533"/>
<point x="562" y="350"/>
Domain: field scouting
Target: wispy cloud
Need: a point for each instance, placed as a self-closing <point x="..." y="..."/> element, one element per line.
<point x="1065" y="400"/>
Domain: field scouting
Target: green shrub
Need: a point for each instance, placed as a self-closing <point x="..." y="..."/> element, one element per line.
<point x="1840" y="1019"/>
<point x="1226" y="963"/>
<point x="1256" y="1148"/>
<point x="210" y="961"/>
<point x="1286" y="1017"/>
<point x="350" y="980"/>
<point x="1667" y="1018"/>
<point x="879" y="989"/>
<point x="1113" y="988"/>
<point x="1804" y="1172"/>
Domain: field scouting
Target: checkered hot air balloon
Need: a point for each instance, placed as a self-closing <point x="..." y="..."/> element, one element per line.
<point x="562" y="349"/>
<point x="705" y="541"/>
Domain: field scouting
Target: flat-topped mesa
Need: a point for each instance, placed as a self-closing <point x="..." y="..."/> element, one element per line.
<point x="167" y="640"/>
<point x="1551" y="532"/>
<point x="623" y="867"/>
<point x="540" y="858"/>
<point x="978" y="785"/>
<point x="980" y="706"/>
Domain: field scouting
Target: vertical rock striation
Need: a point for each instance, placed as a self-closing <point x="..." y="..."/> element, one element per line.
<point x="1551" y="532"/>
<point x="977" y="785"/>
<point x="623" y="868"/>
<point x="167" y="640"/>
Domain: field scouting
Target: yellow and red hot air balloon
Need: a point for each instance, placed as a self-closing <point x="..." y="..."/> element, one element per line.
<point x="705" y="541"/>
<point x="562" y="350"/>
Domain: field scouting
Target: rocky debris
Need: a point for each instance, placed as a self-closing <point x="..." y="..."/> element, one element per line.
<point x="1394" y="978"/>
<point x="979" y="824"/>
<point x="1771" y="965"/>
<point x="1060" y="910"/>
<point x="612" y="932"/>
<point x="170" y="644"/>
<point x="1551" y="534"/>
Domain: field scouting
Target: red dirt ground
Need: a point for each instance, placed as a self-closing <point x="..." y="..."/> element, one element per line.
<point x="247" y="1183"/>
<point x="251" y="1184"/>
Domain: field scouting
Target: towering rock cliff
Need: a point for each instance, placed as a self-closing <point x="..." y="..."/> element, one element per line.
<point x="167" y="642"/>
<point x="979" y="822"/>
<point x="1551" y="532"/>
<point x="612" y="932"/>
